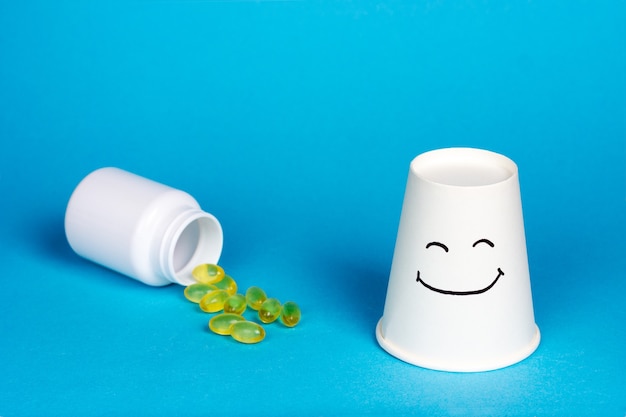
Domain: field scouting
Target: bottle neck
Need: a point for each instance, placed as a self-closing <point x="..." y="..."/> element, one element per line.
<point x="194" y="237"/>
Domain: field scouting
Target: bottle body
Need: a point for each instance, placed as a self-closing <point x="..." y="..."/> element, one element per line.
<point x="140" y="228"/>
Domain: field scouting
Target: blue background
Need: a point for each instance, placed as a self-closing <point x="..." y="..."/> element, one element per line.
<point x="294" y="123"/>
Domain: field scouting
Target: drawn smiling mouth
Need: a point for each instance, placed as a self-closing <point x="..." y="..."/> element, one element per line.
<point x="449" y="292"/>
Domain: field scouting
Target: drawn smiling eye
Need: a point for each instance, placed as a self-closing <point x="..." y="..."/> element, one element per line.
<point x="441" y="245"/>
<point x="486" y="241"/>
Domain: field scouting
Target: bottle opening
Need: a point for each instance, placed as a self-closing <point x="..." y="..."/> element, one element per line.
<point x="199" y="241"/>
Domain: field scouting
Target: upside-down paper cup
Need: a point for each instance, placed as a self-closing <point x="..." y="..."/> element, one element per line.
<point x="459" y="296"/>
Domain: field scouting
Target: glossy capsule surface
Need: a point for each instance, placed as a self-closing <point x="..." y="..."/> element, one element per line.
<point x="228" y="284"/>
<point x="208" y="273"/>
<point x="255" y="297"/>
<point x="213" y="301"/>
<point x="290" y="314"/>
<point x="195" y="292"/>
<point x="222" y="323"/>
<point x="269" y="310"/>
<point x="235" y="304"/>
<point x="247" y="332"/>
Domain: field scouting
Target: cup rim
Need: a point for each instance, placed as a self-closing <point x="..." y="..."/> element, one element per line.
<point x="487" y="364"/>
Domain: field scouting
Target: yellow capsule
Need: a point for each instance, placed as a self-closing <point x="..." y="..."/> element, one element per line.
<point x="247" y="332"/>
<point x="255" y="297"/>
<point x="270" y="310"/>
<point x="195" y="292"/>
<point x="290" y="314"/>
<point x="228" y="284"/>
<point x="208" y="273"/>
<point x="235" y="304"/>
<point x="213" y="301"/>
<point x="222" y="323"/>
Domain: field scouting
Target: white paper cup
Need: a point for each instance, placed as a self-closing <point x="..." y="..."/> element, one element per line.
<point x="459" y="296"/>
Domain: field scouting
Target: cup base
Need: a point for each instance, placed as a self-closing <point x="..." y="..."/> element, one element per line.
<point x="429" y="363"/>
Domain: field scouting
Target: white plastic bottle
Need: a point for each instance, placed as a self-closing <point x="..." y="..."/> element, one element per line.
<point x="140" y="228"/>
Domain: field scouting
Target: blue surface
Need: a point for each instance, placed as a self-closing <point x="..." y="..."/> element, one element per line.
<point x="294" y="123"/>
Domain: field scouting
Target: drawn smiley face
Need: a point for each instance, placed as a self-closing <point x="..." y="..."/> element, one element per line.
<point x="439" y="245"/>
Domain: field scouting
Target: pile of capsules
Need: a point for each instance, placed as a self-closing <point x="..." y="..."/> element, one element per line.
<point x="216" y="292"/>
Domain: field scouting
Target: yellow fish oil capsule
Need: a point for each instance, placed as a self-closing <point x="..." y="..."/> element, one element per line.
<point x="235" y="304"/>
<point x="228" y="284"/>
<point x="222" y="323"/>
<point x="290" y="314"/>
<point x="213" y="301"/>
<point x="195" y="292"/>
<point x="269" y="310"/>
<point x="208" y="273"/>
<point x="255" y="297"/>
<point x="247" y="332"/>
